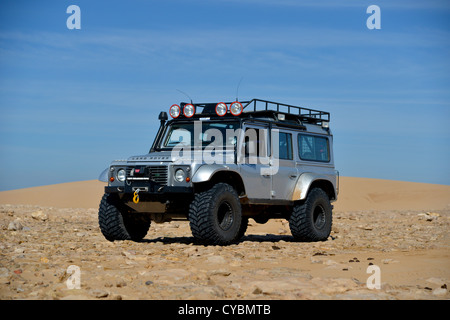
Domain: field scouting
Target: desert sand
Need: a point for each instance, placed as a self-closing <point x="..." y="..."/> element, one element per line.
<point x="400" y="227"/>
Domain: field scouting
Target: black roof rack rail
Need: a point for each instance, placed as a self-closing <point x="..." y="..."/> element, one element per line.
<point x="305" y="114"/>
<point x="258" y="107"/>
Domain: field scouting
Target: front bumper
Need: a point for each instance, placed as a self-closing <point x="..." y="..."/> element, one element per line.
<point x="150" y="190"/>
<point x="166" y="201"/>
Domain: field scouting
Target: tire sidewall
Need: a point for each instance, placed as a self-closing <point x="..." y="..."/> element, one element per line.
<point x="320" y="199"/>
<point x="204" y="215"/>
<point x="117" y="224"/>
<point x="302" y="223"/>
<point x="110" y="219"/>
<point x="224" y="197"/>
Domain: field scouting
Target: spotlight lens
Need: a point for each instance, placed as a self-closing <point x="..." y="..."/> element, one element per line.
<point x="221" y="109"/>
<point x="188" y="110"/>
<point x="174" y="111"/>
<point x="236" y="108"/>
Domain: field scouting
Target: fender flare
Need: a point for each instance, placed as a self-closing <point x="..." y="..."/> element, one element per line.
<point x="305" y="181"/>
<point x="205" y="172"/>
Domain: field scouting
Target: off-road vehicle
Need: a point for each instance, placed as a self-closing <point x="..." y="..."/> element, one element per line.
<point x="219" y="164"/>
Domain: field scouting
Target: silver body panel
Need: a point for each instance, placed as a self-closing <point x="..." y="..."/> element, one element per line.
<point x="265" y="177"/>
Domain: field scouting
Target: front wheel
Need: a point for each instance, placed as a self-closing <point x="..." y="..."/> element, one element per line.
<point x="311" y="219"/>
<point x="118" y="223"/>
<point x="215" y="215"/>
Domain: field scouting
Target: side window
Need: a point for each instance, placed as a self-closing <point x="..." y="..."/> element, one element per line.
<point x="255" y="142"/>
<point x="285" y="146"/>
<point x="313" y="148"/>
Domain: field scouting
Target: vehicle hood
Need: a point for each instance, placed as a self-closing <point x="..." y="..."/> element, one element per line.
<point x="152" y="157"/>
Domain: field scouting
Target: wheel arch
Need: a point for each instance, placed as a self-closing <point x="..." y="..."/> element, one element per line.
<point x="207" y="177"/>
<point x="308" y="181"/>
<point x="326" y="186"/>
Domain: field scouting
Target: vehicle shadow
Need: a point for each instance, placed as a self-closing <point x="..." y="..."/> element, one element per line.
<point x="247" y="238"/>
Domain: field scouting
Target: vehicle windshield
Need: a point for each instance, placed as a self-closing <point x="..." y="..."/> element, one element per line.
<point x="201" y="134"/>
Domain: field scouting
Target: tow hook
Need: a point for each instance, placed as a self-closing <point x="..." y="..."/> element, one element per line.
<point x="136" y="196"/>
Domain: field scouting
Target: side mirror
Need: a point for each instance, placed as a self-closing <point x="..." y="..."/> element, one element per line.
<point x="104" y="175"/>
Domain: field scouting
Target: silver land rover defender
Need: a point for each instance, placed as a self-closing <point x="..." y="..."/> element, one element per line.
<point x="219" y="164"/>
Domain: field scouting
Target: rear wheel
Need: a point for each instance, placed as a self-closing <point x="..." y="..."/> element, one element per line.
<point x="118" y="223"/>
<point x="311" y="219"/>
<point x="215" y="215"/>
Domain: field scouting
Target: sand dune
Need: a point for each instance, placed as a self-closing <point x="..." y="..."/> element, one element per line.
<point x="82" y="194"/>
<point x="377" y="194"/>
<point x="354" y="194"/>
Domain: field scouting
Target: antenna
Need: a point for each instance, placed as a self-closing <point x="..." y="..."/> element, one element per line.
<point x="237" y="89"/>
<point x="185" y="94"/>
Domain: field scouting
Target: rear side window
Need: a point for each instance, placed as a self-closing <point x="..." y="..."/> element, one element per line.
<point x="313" y="148"/>
<point x="285" y="146"/>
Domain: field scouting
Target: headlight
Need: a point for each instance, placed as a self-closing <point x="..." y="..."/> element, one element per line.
<point x="121" y="175"/>
<point x="180" y="175"/>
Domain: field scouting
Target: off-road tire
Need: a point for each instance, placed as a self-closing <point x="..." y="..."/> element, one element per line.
<point x="118" y="223"/>
<point x="215" y="215"/>
<point x="311" y="219"/>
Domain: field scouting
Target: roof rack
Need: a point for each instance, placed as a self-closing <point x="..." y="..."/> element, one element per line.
<point x="258" y="107"/>
<point x="305" y="114"/>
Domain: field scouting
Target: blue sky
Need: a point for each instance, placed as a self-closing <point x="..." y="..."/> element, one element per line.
<point x="73" y="100"/>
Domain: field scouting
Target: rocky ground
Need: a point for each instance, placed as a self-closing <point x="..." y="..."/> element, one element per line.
<point x="39" y="244"/>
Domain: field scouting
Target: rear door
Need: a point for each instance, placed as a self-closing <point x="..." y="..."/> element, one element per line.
<point x="254" y="163"/>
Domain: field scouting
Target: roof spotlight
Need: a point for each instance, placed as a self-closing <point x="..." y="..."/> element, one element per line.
<point x="236" y="108"/>
<point x="188" y="110"/>
<point x="175" y="111"/>
<point x="221" y="109"/>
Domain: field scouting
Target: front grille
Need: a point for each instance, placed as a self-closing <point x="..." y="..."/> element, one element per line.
<point x="157" y="174"/>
